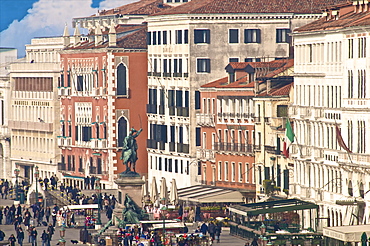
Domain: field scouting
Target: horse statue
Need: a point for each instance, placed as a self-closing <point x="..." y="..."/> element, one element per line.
<point x="129" y="150"/>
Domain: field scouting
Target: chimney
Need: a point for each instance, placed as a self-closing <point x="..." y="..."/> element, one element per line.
<point x="66" y="38"/>
<point x="268" y="86"/>
<point x="256" y="87"/>
<point x="112" y="36"/>
<point x="98" y="35"/>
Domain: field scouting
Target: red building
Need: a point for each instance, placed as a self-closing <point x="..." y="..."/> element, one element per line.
<point x="226" y="121"/>
<point x="103" y="91"/>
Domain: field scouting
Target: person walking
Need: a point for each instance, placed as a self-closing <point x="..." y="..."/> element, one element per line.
<point x="254" y="242"/>
<point x="50" y="231"/>
<point x="47" y="214"/>
<point x="218" y="231"/>
<point x="20" y="236"/>
<point x="12" y="240"/>
<point x="212" y="230"/>
<point x="45" y="239"/>
<point x="2" y="235"/>
<point x="34" y="237"/>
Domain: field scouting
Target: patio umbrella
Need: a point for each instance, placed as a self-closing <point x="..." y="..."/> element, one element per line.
<point x="144" y="191"/>
<point x="154" y="191"/>
<point x="173" y="193"/>
<point x="163" y="196"/>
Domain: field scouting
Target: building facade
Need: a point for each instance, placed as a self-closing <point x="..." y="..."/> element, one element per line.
<point x="7" y="55"/>
<point x="188" y="46"/>
<point x="34" y="108"/>
<point x="331" y="101"/>
<point x="102" y="86"/>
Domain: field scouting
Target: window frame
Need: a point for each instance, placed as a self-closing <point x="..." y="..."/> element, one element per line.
<point x="234" y="40"/>
<point x="202" y="36"/>
<point x="249" y="38"/>
<point x="282" y="35"/>
<point x="203" y="68"/>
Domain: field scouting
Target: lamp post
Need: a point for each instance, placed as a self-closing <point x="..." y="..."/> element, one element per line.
<point x="16" y="172"/>
<point x="37" y="180"/>
<point x="98" y="189"/>
<point x="62" y="233"/>
<point x="164" y="209"/>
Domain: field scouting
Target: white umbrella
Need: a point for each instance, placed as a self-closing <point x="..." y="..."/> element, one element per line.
<point x="163" y="196"/>
<point x="144" y="190"/>
<point x="173" y="193"/>
<point x="154" y="191"/>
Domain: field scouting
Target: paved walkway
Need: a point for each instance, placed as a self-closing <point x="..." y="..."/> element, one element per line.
<point x="74" y="234"/>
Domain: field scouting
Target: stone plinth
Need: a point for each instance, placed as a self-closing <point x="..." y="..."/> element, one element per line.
<point x="130" y="185"/>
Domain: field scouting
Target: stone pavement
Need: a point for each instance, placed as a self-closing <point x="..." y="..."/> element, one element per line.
<point x="74" y="234"/>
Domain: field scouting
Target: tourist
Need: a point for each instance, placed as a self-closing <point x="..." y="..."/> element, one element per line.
<point x="12" y="240"/>
<point x="20" y="236"/>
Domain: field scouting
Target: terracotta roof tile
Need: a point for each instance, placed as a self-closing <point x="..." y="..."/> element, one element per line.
<point x="251" y="6"/>
<point x="128" y="36"/>
<point x="347" y="18"/>
<point x="278" y="91"/>
<point x="143" y="7"/>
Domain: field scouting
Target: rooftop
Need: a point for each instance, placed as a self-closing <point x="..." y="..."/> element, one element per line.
<point x="251" y="6"/>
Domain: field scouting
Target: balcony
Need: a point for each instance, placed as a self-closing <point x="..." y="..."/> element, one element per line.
<point x="182" y="111"/>
<point x="64" y="91"/>
<point x="64" y="141"/>
<point x="99" y="143"/>
<point x="183" y="148"/>
<point x="233" y="147"/>
<point x="162" y="145"/>
<point x="171" y="110"/>
<point x="81" y="170"/>
<point x="205" y="154"/>
<point x="166" y="74"/>
<point x="151" y="144"/>
<point x="61" y="166"/>
<point x="206" y="119"/>
<point x="161" y="110"/>
<point x="172" y="146"/>
<point x="31" y="126"/>
<point x="356" y="103"/>
<point x="151" y="108"/>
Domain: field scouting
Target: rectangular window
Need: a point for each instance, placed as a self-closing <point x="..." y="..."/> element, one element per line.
<point x="186" y="36"/>
<point x="233" y="59"/>
<point x="80" y="83"/>
<point x="282" y="111"/>
<point x="282" y="35"/>
<point x="178" y="36"/>
<point x="219" y="174"/>
<point x="148" y="38"/>
<point x="154" y="38"/>
<point x="202" y="36"/>
<point x="233" y="172"/>
<point x="203" y="65"/>
<point x="159" y="37"/>
<point x="197" y="100"/>
<point x="233" y="36"/>
<point x="350" y="48"/>
<point x="164" y="33"/>
<point x="226" y="171"/>
<point x="362" y="47"/>
<point x="252" y="59"/>
<point x="252" y="36"/>
<point x="197" y="136"/>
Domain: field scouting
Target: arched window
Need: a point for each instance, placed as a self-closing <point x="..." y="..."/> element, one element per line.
<point x="362" y="192"/>
<point x="350" y="188"/>
<point x="97" y="130"/>
<point x="122" y="131"/>
<point x="121" y="80"/>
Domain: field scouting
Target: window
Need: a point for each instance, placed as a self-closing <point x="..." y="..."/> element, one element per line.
<point x="148" y="38"/>
<point x="80" y="83"/>
<point x="197" y="100"/>
<point x="164" y="37"/>
<point x="203" y="65"/>
<point x="282" y="111"/>
<point x="202" y="36"/>
<point x="159" y="37"/>
<point x="252" y="36"/>
<point x="219" y="171"/>
<point x="350" y="48"/>
<point x="362" y="47"/>
<point x="350" y="84"/>
<point x="233" y="172"/>
<point x="154" y="38"/>
<point x="233" y="59"/>
<point x="252" y="59"/>
<point x="178" y="36"/>
<point x="198" y="138"/>
<point x="226" y="171"/>
<point x="234" y="36"/>
<point x="121" y="80"/>
<point x="186" y="36"/>
<point x="122" y="131"/>
<point x="282" y="35"/>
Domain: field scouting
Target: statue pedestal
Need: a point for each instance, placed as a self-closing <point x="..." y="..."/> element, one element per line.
<point x="130" y="185"/>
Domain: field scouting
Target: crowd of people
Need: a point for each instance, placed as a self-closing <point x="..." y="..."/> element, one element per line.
<point x="21" y="217"/>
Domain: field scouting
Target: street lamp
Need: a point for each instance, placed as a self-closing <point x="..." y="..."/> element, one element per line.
<point x="16" y="172"/>
<point x="163" y="209"/>
<point x="62" y="232"/>
<point x="98" y="189"/>
<point x="37" y="180"/>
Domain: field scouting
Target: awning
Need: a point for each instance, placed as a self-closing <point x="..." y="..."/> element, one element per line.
<point x="210" y="194"/>
<point x="85" y="206"/>
<point x="272" y="207"/>
<point x="346" y="233"/>
<point x="169" y="225"/>
<point x="72" y="177"/>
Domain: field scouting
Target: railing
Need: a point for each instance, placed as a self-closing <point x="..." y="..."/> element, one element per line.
<point x="182" y="148"/>
<point x="206" y="119"/>
<point x="151" y="144"/>
<point x="64" y="141"/>
<point x="172" y="146"/>
<point x="151" y="108"/>
<point x="205" y="154"/>
<point x="233" y="147"/>
<point x="358" y="103"/>
<point x="61" y="166"/>
<point x="31" y="125"/>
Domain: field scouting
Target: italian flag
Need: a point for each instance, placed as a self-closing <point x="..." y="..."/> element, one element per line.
<point x="289" y="138"/>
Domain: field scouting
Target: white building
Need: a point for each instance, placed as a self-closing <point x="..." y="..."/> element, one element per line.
<point x="331" y="58"/>
<point x="190" y="45"/>
<point x="34" y="108"/>
<point x="7" y="55"/>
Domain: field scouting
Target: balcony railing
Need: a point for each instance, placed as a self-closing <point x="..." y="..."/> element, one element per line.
<point x="206" y="119"/>
<point x="61" y="166"/>
<point x="233" y="147"/>
<point x="64" y="141"/>
<point x="182" y="148"/>
<point x="151" y="108"/>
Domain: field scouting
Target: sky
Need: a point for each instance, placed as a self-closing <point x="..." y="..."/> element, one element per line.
<point x="22" y="20"/>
